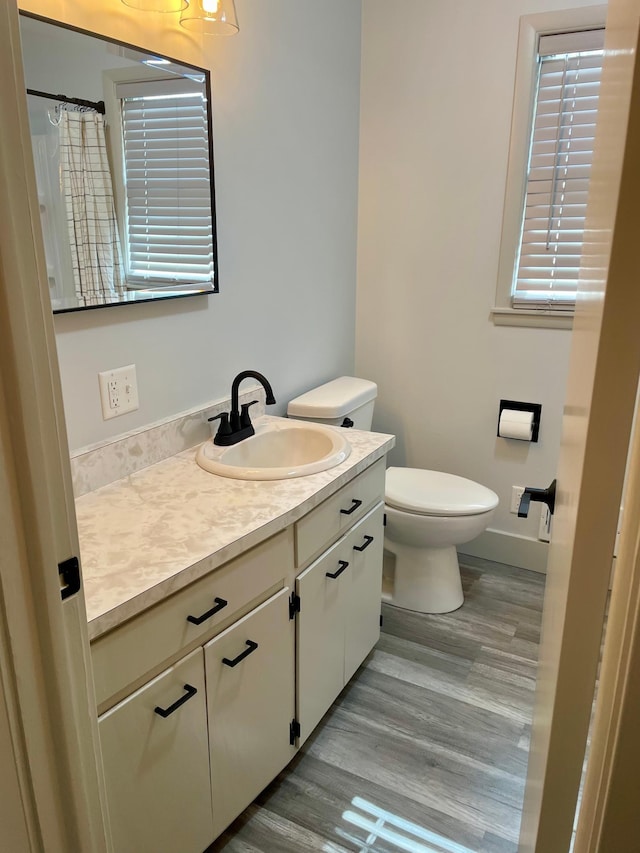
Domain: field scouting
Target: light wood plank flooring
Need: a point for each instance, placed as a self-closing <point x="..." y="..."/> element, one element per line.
<point x="425" y="750"/>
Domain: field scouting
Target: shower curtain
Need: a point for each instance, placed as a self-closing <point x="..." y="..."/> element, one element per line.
<point x="85" y="181"/>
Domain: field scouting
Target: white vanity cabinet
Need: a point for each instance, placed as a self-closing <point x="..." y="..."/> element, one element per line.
<point x="339" y="619"/>
<point x="156" y="764"/>
<point x="206" y="696"/>
<point x="186" y="750"/>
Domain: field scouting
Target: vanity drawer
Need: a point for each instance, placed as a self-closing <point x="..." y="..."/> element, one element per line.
<point x="338" y="513"/>
<point x="191" y="616"/>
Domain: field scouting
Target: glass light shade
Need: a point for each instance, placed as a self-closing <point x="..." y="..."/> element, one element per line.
<point x="211" y="17"/>
<point x="157" y="5"/>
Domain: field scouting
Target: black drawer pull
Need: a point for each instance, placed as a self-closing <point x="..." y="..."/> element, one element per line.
<point x="164" y="712"/>
<point x="367" y="541"/>
<point x="343" y="565"/>
<point x="251" y="647"/>
<point x="198" y="620"/>
<point x="356" y="503"/>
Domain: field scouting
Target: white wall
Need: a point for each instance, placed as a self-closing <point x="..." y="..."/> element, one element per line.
<point x="437" y="88"/>
<point x="286" y="108"/>
<point x="58" y="60"/>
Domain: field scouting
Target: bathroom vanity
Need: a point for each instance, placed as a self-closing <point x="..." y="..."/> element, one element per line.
<point x="225" y="617"/>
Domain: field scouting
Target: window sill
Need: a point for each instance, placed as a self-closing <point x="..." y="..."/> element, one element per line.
<point x="535" y="319"/>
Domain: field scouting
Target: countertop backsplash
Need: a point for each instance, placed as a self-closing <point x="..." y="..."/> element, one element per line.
<point x="103" y="463"/>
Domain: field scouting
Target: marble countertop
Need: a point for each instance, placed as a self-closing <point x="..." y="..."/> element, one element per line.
<point x="158" y="530"/>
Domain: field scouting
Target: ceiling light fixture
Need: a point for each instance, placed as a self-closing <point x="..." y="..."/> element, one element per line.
<point x="157" y="5"/>
<point x="211" y="17"/>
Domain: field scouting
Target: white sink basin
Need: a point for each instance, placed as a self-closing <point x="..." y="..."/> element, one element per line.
<point x="278" y="451"/>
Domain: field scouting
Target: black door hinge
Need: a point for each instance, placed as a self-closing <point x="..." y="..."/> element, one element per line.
<point x="381" y="619"/>
<point x="294" y="605"/>
<point x="69" y="571"/>
<point x="294" y="731"/>
<point x="384" y="519"/>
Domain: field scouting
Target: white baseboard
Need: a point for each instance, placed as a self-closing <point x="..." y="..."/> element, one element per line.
<point x="508" y="548"/>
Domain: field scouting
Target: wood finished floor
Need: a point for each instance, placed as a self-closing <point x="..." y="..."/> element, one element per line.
<point x="429" y="739"/>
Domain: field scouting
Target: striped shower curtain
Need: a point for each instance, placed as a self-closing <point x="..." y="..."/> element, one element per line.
<point x="86" y="187"/>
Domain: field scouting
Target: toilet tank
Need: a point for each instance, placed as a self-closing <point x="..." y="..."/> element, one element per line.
<point x="344" y="398"/>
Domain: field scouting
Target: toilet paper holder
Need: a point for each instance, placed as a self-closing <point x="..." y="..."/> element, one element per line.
<point x="534" y="408"/>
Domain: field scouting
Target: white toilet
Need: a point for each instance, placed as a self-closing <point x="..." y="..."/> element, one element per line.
<point x="428" y="513"/>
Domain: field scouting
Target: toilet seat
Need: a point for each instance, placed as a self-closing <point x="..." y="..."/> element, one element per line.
<point x="436" y="493"/>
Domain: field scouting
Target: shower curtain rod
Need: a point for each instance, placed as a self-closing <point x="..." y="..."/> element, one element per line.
<point x="98" y="106"/>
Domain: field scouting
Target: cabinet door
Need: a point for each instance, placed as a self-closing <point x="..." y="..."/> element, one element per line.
<point x="250" y="696"/>
<point x="363" y="590"/>
<point x="320" y="636"/>
<point x="156" y="767"/>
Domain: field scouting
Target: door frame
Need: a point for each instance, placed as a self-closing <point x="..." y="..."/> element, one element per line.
<point x="44" y="648"/>
<point x="603" y="377"/>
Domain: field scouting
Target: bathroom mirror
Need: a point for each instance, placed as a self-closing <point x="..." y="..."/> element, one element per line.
<point x="122" y="145"/>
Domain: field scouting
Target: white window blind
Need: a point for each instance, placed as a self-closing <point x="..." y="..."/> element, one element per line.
<point x="560" y="158"/>
<point x="169" y="227"/>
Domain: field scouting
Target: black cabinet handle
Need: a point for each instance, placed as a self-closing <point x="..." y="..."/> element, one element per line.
<point x="367" y="541"/>
<point x="220" y="603"/>
<point x="164" y="712"/>
<point x="251" y="647"/>
<point x="356" y="503"/>
<point x="342" y="566"/>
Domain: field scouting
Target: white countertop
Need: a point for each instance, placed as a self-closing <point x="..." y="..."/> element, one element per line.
<point x="158" y="530"/>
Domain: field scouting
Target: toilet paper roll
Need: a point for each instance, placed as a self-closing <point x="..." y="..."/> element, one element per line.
<point x="515" y="424"/>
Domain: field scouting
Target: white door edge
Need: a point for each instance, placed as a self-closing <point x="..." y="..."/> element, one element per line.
<point x="601" y="394"/>
<point x="46" y="661"/>
<point x="605" y="819"/>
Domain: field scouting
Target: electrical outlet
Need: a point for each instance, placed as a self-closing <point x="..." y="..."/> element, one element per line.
<point x="544" y="528"/>
<point x="516" y="494"/>
<point x="114" y="393"/>
<point x="118" y="391"/>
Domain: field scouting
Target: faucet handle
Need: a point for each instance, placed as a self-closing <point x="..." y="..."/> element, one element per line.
<point x="245" y="419"/>
<point x="224" y="428"/>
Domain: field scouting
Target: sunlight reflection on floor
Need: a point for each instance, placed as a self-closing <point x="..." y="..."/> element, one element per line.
<point x="395" y="831"/>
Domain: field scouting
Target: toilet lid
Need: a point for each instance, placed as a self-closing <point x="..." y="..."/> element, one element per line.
<point x="436" y="493"/>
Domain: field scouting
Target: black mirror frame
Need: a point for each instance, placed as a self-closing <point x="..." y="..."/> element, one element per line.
<point x="145" y="296"/>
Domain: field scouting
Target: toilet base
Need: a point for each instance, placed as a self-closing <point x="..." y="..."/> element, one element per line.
<point x="425" y="580"/>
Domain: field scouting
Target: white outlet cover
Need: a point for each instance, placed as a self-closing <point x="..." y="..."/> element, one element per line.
<point x="516" y="494"/>
<point x="118" y="391"/>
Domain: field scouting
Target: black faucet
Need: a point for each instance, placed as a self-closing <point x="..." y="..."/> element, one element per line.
<point x="236" y="425"/>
